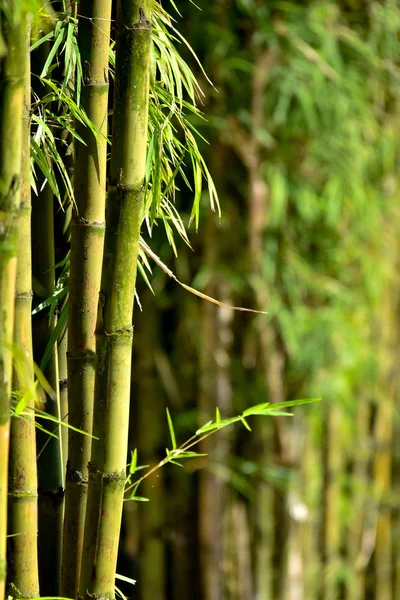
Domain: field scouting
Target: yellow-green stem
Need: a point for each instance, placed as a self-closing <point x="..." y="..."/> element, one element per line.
<point x="114" y="328"/>
<point x="87" y="234"/>
<point x="12" y="81"/>
<point x="23" y="577"/>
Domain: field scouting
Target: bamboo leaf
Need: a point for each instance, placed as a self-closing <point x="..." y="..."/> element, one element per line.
<point x="132" y="466"/>
<point x="245" y="423"/>
<point x="171" y="430"/>
<point x="278" y="405"/>
<point x="255" y="409"/>
<point x="53" y="51"/>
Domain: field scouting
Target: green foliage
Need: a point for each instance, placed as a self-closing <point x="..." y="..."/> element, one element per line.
<point x="184" y="451"/>
<point x="329" y="149"/>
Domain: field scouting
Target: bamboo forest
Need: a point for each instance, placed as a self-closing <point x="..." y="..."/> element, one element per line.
<point x="199" y="299"/>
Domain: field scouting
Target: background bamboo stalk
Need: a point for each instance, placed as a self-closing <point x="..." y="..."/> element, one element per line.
<point x="215" y="390"/>
<point x="87" y="233"/>
<point x="50" y="466"/>
<point x="22" y="554"/>
<point x="264" y="347"/>
<point x="355" y="589"/>
<point x="150" y="428"/>
<point x="12" y="86"/>
<point x="114" y="330"/>
<point x="332" y="517"/>
<point x="49" y="451"/>
<point x="311" y="488"/>
<point x="181" y="503"/>
<point x="45" y="352"/>
<point x="382" y="463"/>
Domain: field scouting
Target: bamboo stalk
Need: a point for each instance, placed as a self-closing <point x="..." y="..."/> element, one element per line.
<point x="23" y="574"/>
<point x="382" y="464"/>
<point x="387" y="395"/>
<point x="50" y="473"/>
<point x="12" y="84"/>
<point x="50" y="467"/>
<point x="311" y="491"/>
<point x="150" y="429"/>
<point x="215" y="390"/>
<point x="332" y="524"/>
<point x="114" y="329"/>
<point x="264" y="342"/>
<point x="87" y="236"/>
<point x="356" y="586"/>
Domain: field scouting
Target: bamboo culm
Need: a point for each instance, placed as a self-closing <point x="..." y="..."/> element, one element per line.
<point x="12" y="82"/>
<point x="114" y="328"/>
<point x="22" y="576"/>
<point x="49" y="450"/>
<point x="87" y="238"/>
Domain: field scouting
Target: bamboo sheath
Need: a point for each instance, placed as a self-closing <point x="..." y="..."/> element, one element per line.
<point x="12" y="81"/>
<point x="87" y="237"/>
<point x="22" y="552"/>
<point x="114" y="328"/>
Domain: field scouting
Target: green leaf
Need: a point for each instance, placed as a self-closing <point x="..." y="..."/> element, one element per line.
<point x="174" y="462"/>
<point x="245" y="423"/>
<point x="295" y="403"/>
<point x="53" y="51"/>
<point x="132" y="466"/>
<point x="253" y="410"/>
<point x="171" y="430"/>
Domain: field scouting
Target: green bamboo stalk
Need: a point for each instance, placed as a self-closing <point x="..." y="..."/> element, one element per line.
<point x="332" y="525"/>
<point x="12" y="83"/>
<point x="383" y="459"/>
<point x="396" y="516"/>
<point x="62" y="224"/>
<point x="114" y="329"/>
<point x="63" y="390"/>
<point x="150" y="429"/>
<point x="215" y="390"/>
<point x="250" y="151"/>
<point x="50" y="466"/>
<point x="87" y="236"/>
<point x="23" y="576"/>
<point x="362" y="456"/>
<point x="311" y="484"/>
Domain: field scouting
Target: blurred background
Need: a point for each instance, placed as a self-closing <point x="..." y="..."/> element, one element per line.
<point x="303" y="130"/>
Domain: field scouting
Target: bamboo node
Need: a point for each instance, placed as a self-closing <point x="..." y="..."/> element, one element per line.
<point x="82" y="222"/>
<point x="76" y="476"/>
<point x="142" y="23"/>
<point x="88" y="355"/>
<point x="24" y="494"/>
<point x="125" y="334"/>
<point x="24" y="295"/>
<point x="91" y="596"/>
